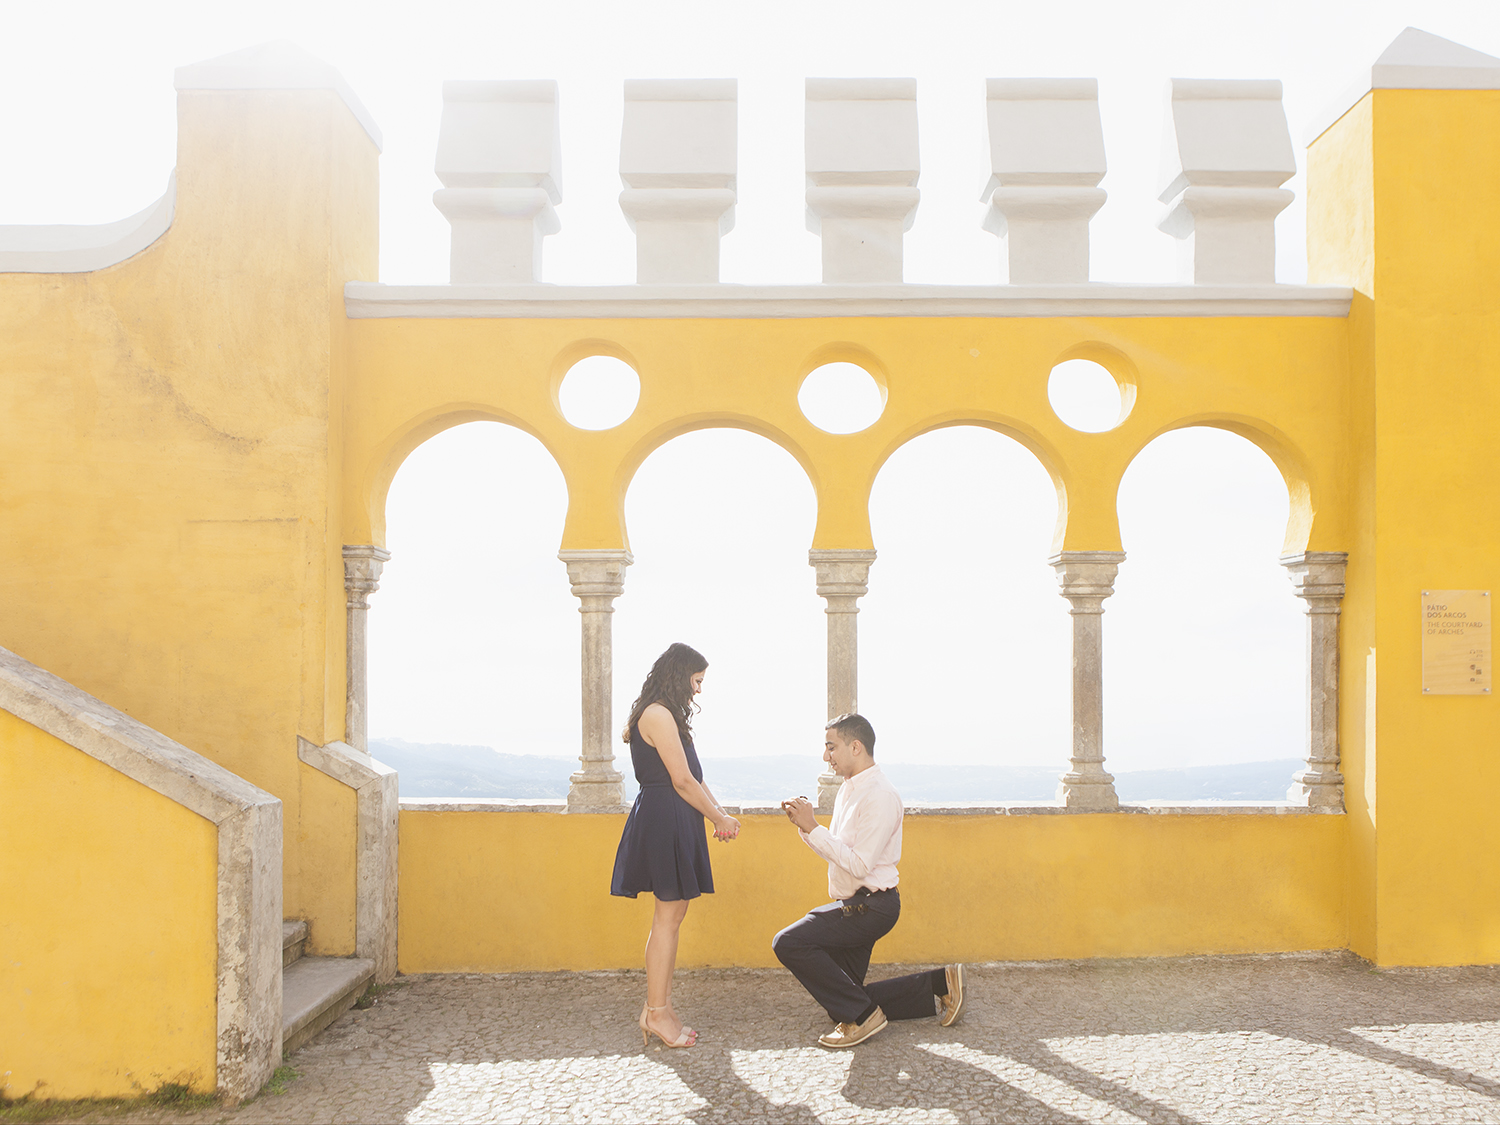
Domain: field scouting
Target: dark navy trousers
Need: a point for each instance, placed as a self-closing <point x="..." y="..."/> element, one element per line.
<point x="828" y="951"/>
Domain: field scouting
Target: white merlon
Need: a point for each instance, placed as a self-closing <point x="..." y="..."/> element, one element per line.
<point x="1226" y="153"/>
<point x="276" y="65"/>
<point x="500" y="161"/>
<point x="678" y="160"/>
<point x="1415" y="60"/>
<point x="862" y="168"/>
<point x="1046" y="161"/>
<point x="82" y="249"/>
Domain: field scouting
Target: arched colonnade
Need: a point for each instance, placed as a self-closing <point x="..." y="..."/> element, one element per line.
<point x="1277" y="381"/>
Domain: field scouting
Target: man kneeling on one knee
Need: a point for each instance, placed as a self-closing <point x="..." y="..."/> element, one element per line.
<point x="829" y="950"/>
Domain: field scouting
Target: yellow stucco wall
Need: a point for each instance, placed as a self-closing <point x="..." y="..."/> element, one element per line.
<point x="1407" y="191"/>
<point x="488" y="891"/>
<point x="326" y="859"/>
<point x="1280" y="381"/>
<point x="167" y="425"/>
<point x="108" y="924"/>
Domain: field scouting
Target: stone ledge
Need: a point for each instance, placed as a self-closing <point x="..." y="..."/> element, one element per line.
<point x="1149" y="808"/>
<point x="366" y="299"/>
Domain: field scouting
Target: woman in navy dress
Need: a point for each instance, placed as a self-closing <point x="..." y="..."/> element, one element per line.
<point x="664" y="850"/>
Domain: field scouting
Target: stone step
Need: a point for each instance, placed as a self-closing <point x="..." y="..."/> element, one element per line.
<point x="293" y="940"/>
<point x="315" y="991"/>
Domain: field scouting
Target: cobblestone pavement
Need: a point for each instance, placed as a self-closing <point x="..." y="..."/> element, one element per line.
<point x="1300" y="1038"/>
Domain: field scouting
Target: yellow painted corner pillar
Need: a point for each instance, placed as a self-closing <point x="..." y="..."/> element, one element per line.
<point x="1405" y="205"/>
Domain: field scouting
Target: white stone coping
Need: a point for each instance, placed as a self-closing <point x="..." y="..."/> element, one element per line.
<point x="1415" y="60"/>
<point x="249" y="916"/>
<point x="275" y="65"/>
<point x="365" y="299"/>
<point x="83" y="249"/>
<point x="957" y="808"/>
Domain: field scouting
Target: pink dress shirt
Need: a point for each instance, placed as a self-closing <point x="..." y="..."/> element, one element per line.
<point x="863" y="845"/>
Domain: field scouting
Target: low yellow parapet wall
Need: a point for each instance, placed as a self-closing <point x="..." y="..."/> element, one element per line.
<point x="140" y="931"/>
<point x="109" y="916"/>
<point x="490" y="890"/>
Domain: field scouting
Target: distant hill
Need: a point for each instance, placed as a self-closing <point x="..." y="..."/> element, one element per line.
<point x="438" y="770"/>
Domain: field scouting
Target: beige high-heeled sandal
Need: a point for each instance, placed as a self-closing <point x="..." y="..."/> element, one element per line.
<point x="687" y="1039"/>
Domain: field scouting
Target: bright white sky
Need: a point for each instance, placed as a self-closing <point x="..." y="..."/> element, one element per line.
<point x="964" y="638"/>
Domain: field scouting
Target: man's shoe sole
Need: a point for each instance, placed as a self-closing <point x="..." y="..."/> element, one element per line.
<point x="862" y="1039"/>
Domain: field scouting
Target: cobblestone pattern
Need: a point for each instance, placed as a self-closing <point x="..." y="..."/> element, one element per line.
<point x="1300" y="1038"/>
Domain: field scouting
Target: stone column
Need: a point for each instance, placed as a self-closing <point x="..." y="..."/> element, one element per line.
<point x="1087" y="578"/>
<point x="842" y="580"/>
<point x="598" y="578"/>
<point x="362" y="566"/>
<point x="1318" y="578"/>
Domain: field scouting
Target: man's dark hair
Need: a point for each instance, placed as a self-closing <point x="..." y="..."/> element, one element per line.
<point x="852" y="727"/>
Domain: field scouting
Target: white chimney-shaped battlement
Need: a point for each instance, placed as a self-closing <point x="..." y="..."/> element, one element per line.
<point x="1226" y="153"/>
<point x="862" y="168"/>
<point x="500" y="161"/>
<point x="1046" y="160"/>
<point x="678" y="160"/>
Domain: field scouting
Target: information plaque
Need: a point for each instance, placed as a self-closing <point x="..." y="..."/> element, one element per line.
<point x="1455" y="642"/>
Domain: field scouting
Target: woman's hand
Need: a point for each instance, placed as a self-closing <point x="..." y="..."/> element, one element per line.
<point x="727" y="829"/>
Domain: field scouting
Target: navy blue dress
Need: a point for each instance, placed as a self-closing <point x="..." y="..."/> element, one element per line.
<point x="664" y="849"/>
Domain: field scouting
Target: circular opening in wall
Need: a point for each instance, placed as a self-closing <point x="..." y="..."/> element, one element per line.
<point x="841" y="398"/>
<point x="599" y="392"/>
<point x="1085" y="396"/>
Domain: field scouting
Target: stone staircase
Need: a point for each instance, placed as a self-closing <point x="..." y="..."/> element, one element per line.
<point x="315" y="991"/>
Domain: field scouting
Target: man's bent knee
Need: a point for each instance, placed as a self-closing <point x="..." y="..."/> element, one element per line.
<point x="786" y="944"/>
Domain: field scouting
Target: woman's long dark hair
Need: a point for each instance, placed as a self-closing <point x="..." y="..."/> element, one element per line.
<point x="670" y="683"/>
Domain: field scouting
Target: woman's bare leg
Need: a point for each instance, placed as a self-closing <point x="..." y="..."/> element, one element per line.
<point x="661" y="963"/>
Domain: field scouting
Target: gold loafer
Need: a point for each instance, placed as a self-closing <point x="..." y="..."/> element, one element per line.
<point x="952" y="1004"/>
<point x="852" y="1034"/>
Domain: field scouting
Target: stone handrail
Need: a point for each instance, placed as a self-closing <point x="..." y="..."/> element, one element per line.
<point x="375" y="791"/>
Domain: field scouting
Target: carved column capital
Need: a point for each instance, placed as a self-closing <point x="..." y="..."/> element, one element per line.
<point x="362" y="566"/>
<point x="843" y="576"/>
<point x="1318" y="578"/>
<point x="1086" y="578"/>
<point x="597" y="574"/>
